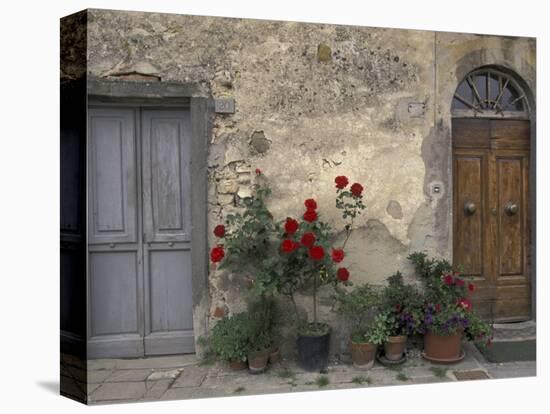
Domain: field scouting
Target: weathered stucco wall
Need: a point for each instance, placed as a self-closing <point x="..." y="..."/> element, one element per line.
<point x="314" y="101"/>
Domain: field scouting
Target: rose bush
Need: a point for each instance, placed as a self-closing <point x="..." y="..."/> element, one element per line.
<point x="304" y="257"/>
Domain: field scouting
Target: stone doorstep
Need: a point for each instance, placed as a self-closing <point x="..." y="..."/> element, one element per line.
<point x="171" y="362"/>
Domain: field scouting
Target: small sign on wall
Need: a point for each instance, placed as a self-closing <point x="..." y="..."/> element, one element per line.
<point x="416" y="109"/>
<point x="224" y="105"/>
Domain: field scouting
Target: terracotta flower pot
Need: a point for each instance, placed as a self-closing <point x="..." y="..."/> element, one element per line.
<point x="443" y="348"/>
<point x="363" y="354"/>
<point x="237" y="365"/>
<point x="257" y="361"/>
<point x="395" y="346"/>
<point x="274" y="355"/>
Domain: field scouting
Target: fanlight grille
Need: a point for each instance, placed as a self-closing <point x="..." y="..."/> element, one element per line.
<point x="488" y="92"/>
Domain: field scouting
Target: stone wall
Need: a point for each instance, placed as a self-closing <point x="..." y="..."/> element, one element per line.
<point x="314" y="101"/>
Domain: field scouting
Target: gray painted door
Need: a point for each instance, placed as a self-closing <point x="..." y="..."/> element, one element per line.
<point x="139" y="233"/>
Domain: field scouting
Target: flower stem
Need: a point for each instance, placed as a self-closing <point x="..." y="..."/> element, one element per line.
<point x="348" y="232"/>
<point x="315" y="297"/>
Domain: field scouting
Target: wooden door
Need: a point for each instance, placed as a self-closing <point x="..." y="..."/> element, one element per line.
<point x="491" y="213"/>
<point x="139" y="282"/>
<point x="167" y="231"/>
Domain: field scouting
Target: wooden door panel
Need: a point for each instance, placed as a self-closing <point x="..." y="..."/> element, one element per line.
<point x="115" y="321"/>
<point x="469" y="170"/>
<point x="112" y="175"/>
<point x="166" y="149"/>
<point x="509" y="134"/>
<point x="511" y="228"/>
<point x="167" y="245"/>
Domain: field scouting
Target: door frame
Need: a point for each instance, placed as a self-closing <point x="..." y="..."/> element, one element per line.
<point x="461" y="73"/>
<point x="165" y="95"/>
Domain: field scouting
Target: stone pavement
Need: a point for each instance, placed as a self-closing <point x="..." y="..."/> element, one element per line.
<point x="183" y="376"/>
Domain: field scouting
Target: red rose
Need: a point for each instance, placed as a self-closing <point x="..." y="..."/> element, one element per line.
<point x="448" y="280"/>
<point x="437" y="307"/>
<point x="356" y="189"/>
<point x="341" y="181"/>
<point x="398" y="308"/>
<point x="219" y="230"/>
<point x="216" y="254"/>
<point x="258" y="171"/>
<point x="291" y="226"/>
<point x="342" y="274"/>
<point x="471" y="287"/>
<point x="459" y="282"/>
<point x="316" y="252"/>
<point x="310" y="216"/>
<point x="337" y="255"/>
<point x="308" y="239"/>
<point x="310" y="204"/>
<point x="288" y="245"/>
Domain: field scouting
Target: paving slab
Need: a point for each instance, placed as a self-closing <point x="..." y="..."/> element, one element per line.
<point x="511" y="371"/>
<point x="156" y="389"/>
<point x="195" y="392"/>
<point x="164" y="374"/>
<point x="192" y="376"/>
<point x="98" y="376"/>
<point x="129" y="375"/>
<point x="112" y="391"/>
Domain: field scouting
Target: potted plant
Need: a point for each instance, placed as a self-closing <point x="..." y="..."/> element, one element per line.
<point x="402" y="314"/>
<point x="290" y="256"/>
<point x="368" y="328"/>
<point x="448" y="315"/>
<point x="229" y="340"/>
<point x="305" y="264"/>
<point x="260" y="337"/>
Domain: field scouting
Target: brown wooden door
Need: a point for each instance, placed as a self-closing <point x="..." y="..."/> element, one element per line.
<point x="491" y="213"/>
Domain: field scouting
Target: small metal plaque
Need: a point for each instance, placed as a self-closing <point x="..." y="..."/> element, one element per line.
<point x="224" y="106"/>
<point x="416" y="109"/>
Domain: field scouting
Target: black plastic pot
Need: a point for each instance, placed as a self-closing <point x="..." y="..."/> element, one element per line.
<point x="313" y="352"/>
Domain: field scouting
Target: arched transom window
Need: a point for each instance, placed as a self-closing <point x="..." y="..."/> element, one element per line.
<point x="489" y="93"/>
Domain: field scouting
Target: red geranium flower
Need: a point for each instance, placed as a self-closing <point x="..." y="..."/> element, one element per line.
<point x="219" y="230"/>
<point x="356" y="189"/>
<point x="216" y="254"/>
<point x="316" y="252"/>
<point x="308" y="239"/>
<point x="465" y="303"/>
<point x="310" y="204"/>
<point x="471" y="287"/>
<point x="341" y="181"/>
<point x="343" y="274"/>
<point x="258" y="171"/>
<point x="337" y="255"/>
<point x="291" y="226"/>
<point x="288" y="246"/>
<point x="448" y="280"/>
<point x="459" y="282"/>
<point x="310" y="216"/>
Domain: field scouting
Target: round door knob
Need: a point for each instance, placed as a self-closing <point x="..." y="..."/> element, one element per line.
<point x="469" y="208"/>
<point x="511" y="208"/>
